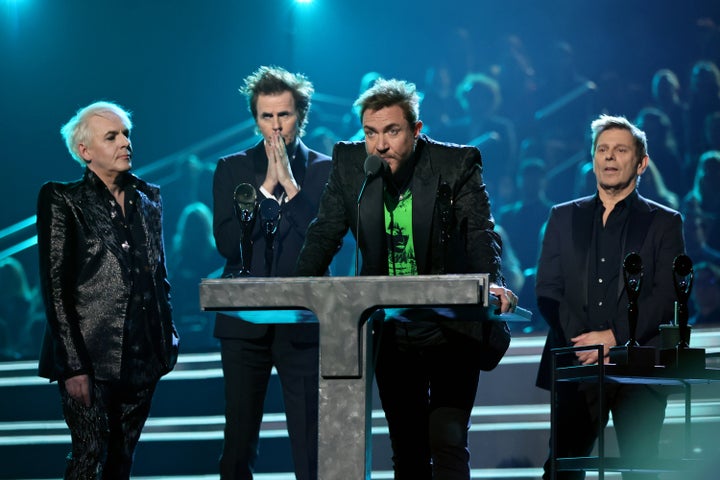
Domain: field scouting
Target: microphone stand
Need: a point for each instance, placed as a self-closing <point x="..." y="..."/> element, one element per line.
<point x="632" y="352"/>
<point x="374" y="167"/>
<point x="682" y="356"/>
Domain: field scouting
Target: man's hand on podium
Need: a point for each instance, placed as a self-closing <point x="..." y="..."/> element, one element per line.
<point x="503" y="298"/>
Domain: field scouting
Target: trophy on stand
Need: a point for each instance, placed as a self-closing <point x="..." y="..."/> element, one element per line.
<point x="632" y="353"/>
<point x="681" y="355"/>
<point x="270" y="219"/>
<point x="245" y="202"/>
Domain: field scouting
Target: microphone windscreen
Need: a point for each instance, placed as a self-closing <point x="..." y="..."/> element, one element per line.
<point x="682" y="265"/>
<point x="633" y="264"/>
<point x="374" y="165"/>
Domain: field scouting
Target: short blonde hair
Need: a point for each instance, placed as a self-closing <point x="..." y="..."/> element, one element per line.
<point x="76" y="130"/>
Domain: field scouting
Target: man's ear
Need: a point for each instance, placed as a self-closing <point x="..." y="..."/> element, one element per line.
<point x="642" y="166"/>
<point x="84" y="152"/>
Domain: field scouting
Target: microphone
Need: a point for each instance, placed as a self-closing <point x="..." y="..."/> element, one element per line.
<point x="632" y="274"/>
<point x="374" y="167"/>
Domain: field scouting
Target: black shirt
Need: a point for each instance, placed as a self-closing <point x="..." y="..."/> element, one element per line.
<point x="140" y="364"/>
<point x="605" y="268"/>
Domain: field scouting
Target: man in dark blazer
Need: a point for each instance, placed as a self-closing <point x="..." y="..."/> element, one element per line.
<point x="281" y="170"/>
<point x="424" y="210"/>
<point x="110" y="334"/>
<point x="581" y="292"/>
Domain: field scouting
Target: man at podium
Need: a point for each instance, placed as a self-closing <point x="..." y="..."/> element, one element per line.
<point x="415" y="207"/>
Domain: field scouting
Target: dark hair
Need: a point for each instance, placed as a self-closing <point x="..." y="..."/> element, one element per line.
<point x="608" y="122"/>
<point x="386" y="93"/>
<point x="274" y="80"/>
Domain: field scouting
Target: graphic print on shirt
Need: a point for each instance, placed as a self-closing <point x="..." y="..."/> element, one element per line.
<point x="401" y="250"/>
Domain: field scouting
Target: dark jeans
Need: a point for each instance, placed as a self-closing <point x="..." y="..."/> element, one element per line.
<point x="638" y="413"/>
<point x="427" y="393"/>
<point x="105" y="434"/>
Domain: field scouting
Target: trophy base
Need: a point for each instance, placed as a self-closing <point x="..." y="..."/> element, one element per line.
<point x="684" y="358"/>
<point x="670" y="335"/>
<point x="632" y="355"/>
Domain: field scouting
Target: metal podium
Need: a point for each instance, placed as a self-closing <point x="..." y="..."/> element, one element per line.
<point x="342" y="306"/>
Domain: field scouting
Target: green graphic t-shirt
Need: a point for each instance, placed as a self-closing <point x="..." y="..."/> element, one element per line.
<point x="412" y="325"/>
<point x="398" y="233"/>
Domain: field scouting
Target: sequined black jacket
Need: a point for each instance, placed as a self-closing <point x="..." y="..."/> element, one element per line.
<point x="85" y="279"/>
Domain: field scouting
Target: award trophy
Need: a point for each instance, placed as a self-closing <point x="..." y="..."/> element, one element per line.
<point x="245" y="202"/>
<point x="632" y="353"/>
<point x="681" y="355"/>
<point x="269" y="219"/>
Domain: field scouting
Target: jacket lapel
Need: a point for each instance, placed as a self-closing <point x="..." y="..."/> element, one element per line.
<point x="638" y="225"/>
<point x="424" y="193"/>
<point x="259" y="162"/>
<point x="149" y="213"/>
<point x="582" y="229"/>
<point x="300" y="162"/>
<point x="97" y="209"/>
<point x="371" y="234"/>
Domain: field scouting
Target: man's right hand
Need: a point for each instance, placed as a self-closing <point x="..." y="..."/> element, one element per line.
<point x="78" y="388"/>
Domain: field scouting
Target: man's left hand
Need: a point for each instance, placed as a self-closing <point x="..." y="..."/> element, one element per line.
<point x="506" y="299"/>
<point x="606" y="338"/>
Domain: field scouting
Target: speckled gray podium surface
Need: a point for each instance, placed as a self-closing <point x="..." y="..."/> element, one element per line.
<point x="342" y="306"/>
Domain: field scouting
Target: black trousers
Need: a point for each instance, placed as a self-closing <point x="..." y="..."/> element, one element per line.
<point x="638" y="413"/>
<point x="247" y="364"/>
<point x="105" y="434"/>
<point x="427" y="393"/>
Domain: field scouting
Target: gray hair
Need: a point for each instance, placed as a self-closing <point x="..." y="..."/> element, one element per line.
<point x="77" y="131"/>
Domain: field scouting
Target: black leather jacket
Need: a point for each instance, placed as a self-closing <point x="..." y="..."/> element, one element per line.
<point x="85" y="279"/>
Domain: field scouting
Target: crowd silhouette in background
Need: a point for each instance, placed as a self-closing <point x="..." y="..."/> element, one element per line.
<point x="528" y="116"/>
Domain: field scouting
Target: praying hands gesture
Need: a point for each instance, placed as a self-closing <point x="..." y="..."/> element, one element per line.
<point x="278" y="168"/>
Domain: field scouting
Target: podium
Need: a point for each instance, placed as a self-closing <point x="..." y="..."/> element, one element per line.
<point x="342" y="306"/>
